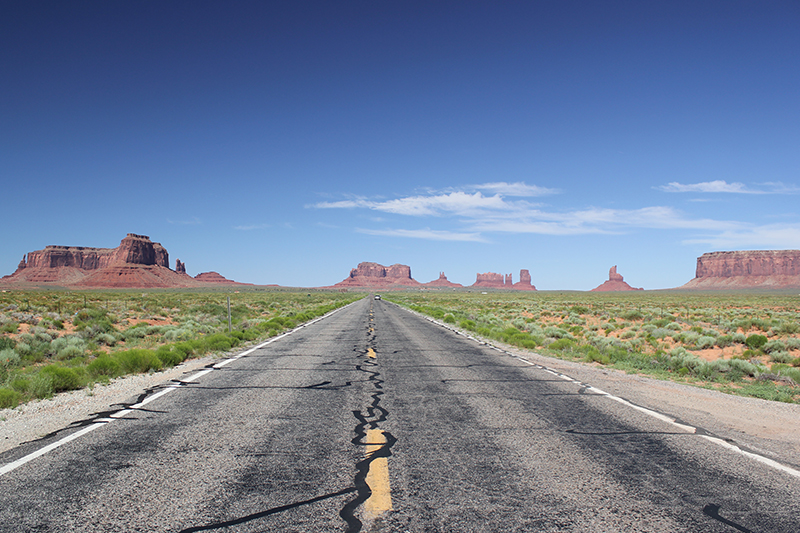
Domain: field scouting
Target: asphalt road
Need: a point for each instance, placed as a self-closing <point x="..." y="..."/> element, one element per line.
<point x="374" y="419"/>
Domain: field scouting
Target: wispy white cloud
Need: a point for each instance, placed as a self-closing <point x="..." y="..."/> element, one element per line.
<point x="722" y="186"/>
<point x="427" y="234"/>
<point x="476" y="215"/>
<point x="251" y="227"/>
<point x="596" y="221"/>
<point x="458" y="203"/>
<point x="514" y="189"/>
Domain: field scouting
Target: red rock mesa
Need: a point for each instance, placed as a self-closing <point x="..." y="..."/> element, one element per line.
<point x="136" y="262"/>
<point x="373" y="275"/>
<point x="746" y="269"/>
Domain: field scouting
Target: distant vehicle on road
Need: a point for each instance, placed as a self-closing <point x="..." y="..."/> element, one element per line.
<point x="377" y="296"/>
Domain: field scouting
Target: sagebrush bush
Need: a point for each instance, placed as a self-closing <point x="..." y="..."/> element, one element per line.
<point x="774" y="346"/>
<point x="781" y="356"/>
<point x="9" y="357"/>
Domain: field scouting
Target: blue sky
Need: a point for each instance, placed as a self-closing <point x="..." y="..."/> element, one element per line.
<point x="287" y="142"/>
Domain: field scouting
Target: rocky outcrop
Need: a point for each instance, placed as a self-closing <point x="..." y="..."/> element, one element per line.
<point x="442" y="281"/>
<point x="746" y="269"/>
<point x="524" y="283"/>
<point x="140" y="250"/>
<point x="615" y="282"/>
<point x="214" y="277"/>
<point x="180" y="268"/>
<point x="369" y="275"/>
<point x="136" y="262"/>
<point x="491" y="280"/>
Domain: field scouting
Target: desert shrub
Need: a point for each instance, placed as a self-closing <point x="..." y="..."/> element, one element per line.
<point x="9" y="357"/>
<point x="67" y="347"/>
<point x="106" y="338"/>
<point x="689" y="338"/>
<point x="138" y="360"/>
<point x="793" y="343"/>
<point x="7" y="342"/>
<point x="219" y="342"/>
<point x="170" y="356"/>
<point x="780" y="356"/>
<point x="467" y="324"/>
<point x="134" y="333"/>
<point x="774" y="345"/>
<point x="63" y="378"/>
<point x="593" y="355"/>
<point x="787" y="327"/>
<point x="745" y="367"/>
<point x="632" y="315"/>
<point x="724" y="340"/>
<point x="9" y="398"/>
<point x="705" y="342"/>
<point x="104" y="366"/>
<point x="561" y="345"/>
<point x="674" y="326"/>
<point x="755" y="341"/>
<point x="556" y="333"/>
<point x="787" y="371"/>
<point x="738" y="338"/>
<point x="449" y="318"/>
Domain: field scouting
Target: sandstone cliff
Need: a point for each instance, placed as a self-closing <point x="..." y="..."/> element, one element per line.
<point x="744" y="269"/>
<point x="374" y="275"/>
<point x="136" y="262"/>
<point x="524" y="283"/>
<point x="615" y="282"/>
<point x="491" y="280"/>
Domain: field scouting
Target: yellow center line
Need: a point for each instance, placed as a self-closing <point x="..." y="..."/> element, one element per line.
<point x="371" y="353"/>
<point x="378" y="477"/>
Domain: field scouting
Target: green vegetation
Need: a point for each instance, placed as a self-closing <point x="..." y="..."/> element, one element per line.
<point x="746" y="343"/>
<point x="52" y="341"/>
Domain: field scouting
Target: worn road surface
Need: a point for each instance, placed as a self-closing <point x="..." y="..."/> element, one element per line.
<point x="374" y="419"/>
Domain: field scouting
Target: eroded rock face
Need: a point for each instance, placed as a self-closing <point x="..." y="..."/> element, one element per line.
<point x="490" y="280"/>
<point x="751" y="268"/>
<point x="376" y="275"/>
<point x="180" y="268"/>
<point x="140" y="250"/>
<point x="524" y="283"/>
<point x="615" y="282"/>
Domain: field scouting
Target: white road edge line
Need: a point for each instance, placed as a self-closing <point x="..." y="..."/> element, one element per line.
<point x="9" y="467"/>
<point x="655" y="414"/>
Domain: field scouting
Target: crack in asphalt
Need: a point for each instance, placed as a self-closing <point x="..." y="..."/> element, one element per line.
<point x="369" y="418"/>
